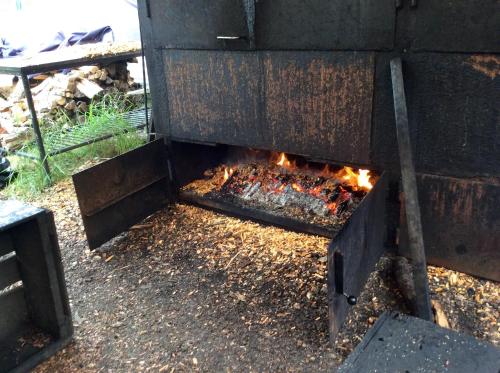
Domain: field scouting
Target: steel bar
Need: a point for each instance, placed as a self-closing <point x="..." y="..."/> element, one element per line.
<point x="409" y="182"/>
<point x="35" y="124"/>
<point x="256" y="215"/>
<point x="91" y="141"/>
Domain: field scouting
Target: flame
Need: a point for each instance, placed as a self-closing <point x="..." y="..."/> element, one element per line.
<point x="227" y="172"/>
<point x="297" y="187"/>
<point x="360" y="179"/>
<point x="364" y="179"/>
<point x="283" y="161"/>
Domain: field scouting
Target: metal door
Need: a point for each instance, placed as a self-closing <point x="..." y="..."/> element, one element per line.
<point x="118" y="193"/>
<point x="320" y="24"/>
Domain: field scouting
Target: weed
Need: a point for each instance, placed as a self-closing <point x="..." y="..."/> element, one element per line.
<point x="103" y="117"/>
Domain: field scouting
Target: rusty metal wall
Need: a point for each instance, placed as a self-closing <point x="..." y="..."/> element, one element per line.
<point x="461" y="221"/>
<point x="316" y="104"/>
<point x="292" y="80"/>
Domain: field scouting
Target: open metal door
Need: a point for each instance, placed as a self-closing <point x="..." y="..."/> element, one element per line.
<point x="116" y="194"/>
<point x="354" y="252"/>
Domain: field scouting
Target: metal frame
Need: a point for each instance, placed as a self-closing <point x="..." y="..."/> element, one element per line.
<point x="25" y="67"/>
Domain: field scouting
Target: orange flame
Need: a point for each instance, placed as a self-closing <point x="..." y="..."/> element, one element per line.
<point x="283" y="161"/>
<point x="360" y="179"/>
<point x="227" y="172"/>
<point x="364" y="179"/>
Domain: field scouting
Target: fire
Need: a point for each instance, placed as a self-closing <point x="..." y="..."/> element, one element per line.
<point x="283" y="161"/>
<point x="227" y="173"/>
<point x="360" y="179"/>
<point x="364" y="179"/>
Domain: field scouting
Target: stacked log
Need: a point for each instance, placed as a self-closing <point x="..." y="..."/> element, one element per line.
<point x="69" y="92"/>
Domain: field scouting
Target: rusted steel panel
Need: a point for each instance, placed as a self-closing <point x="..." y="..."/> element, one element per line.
<point x="103" y="185"/>
<point x="197" y="23"/>
<point x="118" y="193"/>
<point x="453" y="106"/>
<point x="457" y="26"/>
<point x="320" y="24"/>
<point x="214" y="96"/>
<point x="319" y="103"/>
<point x="461" y="224"/>
<point x="361" y="243"/>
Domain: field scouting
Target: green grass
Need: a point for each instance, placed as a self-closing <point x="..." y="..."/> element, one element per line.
<point x="31" y="179"/>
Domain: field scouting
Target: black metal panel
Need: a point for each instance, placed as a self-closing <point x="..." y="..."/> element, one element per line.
<point x="213" y="96"/>
<point x="461" y="224"/>
<point x="316" y="104"/>
<point x="14" y="314"/>
<point x="319" y="104"/>
<point x="130" y="187"/>
<point x="9" y="272"/>
<point x="400" y="343"/>
<point x="453" y="107"/>
<point x="360" y="244"/>
<point x="457" y="25"/>
<point x="258" y="216"/>
<point x="198" y="23"/>
<point x="320" y="24"/>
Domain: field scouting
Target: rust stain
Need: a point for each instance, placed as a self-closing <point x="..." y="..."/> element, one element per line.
<point x="488" y="65"/>
<point x="319" y="104"/>
<point x="455" y="200"/>
<point x="212" y="95"/>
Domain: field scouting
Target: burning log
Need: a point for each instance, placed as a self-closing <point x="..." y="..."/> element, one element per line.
<point x="323" y="197"/>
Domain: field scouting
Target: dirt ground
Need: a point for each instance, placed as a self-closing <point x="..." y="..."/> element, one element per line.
<point x="189" y="289"/>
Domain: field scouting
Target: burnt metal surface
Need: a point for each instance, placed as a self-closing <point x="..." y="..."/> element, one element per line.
<point x="461" y="224"/>
<point x="197" y="24"/>
<point x="457" y="26"/>
<point x="319" y="24"/>
<point x="452" y="101"/>
<point x="214" y="96"/>
<point x="424" y="346"/>
<point x="319" y="104"/>
<point x="35" y="299"/>
<point x="117" y="193"/>
<point x="409" y="183"/>
<point x="304" y="103"/>
<point x="361" y="244"/>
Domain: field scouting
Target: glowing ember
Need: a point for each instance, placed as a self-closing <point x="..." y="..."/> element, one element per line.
<point x="288" y="185"/>
<point x="297" y="187"/>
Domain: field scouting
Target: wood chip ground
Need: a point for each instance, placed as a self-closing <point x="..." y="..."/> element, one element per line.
<point x="193" y="290"/>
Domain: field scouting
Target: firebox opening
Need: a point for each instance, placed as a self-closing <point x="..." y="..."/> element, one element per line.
<point x="272" y="187"/>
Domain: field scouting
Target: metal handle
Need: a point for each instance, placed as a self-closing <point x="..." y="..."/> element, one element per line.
<point x="338" y="266"/>
<point x="228" y="37"/>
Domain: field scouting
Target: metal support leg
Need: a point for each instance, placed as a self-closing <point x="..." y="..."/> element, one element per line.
<point x="35" y="124"/>
<point x="416" y="241"/>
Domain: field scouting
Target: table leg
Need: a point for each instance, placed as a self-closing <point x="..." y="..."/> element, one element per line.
<point x="35" y="124"/>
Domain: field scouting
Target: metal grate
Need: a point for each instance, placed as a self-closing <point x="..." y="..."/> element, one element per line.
<point x="70" y="140"/>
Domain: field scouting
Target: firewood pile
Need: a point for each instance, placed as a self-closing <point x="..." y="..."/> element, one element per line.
<point x="54" y="93"/>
